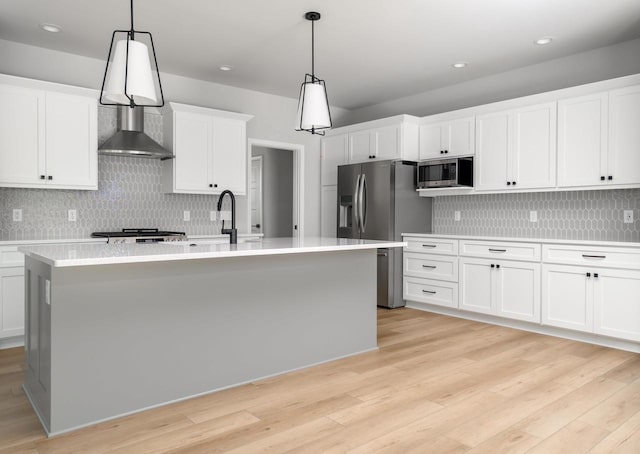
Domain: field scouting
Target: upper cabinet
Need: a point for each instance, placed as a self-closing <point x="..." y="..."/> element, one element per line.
<point x="516" y="149"/>
<point x="48" y="135"/>
<point x="599" y="139"/>
<point x="451" y="138"/>
<point x="210" y="148"/>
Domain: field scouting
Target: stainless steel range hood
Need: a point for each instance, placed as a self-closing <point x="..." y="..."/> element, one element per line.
<point x="130" y="139"/>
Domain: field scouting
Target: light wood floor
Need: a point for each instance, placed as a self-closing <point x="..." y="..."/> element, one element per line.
<point x="436" y="385"/>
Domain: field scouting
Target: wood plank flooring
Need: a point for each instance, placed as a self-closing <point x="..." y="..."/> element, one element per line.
<point x="437" y="385"/>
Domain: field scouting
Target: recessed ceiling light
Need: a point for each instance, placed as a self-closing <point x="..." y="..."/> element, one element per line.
<point x="52" y="28"/>
<point x="226" y="68"/>
<point x="543" y="41"/>
<point x="460" y="64"/>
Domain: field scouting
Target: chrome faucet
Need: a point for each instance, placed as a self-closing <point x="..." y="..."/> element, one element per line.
<point x="232" y="232"/>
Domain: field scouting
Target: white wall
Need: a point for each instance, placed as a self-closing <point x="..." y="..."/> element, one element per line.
<point x="273" y="115"/>
<point x="609" y="62"/>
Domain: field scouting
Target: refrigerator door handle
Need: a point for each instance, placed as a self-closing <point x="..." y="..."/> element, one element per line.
<point x="362" y="204"/>
<point x="356" y="205"/>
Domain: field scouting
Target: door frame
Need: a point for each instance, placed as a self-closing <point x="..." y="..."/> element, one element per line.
<point x="259" y="183"/>
<point x="298" y="178"/>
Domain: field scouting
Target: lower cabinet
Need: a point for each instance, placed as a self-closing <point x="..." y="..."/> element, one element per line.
<point x="430" y="291"/>
<point x="11" y="302"/>
<point x="503" y="288"/>
<point x="595" y="300"/>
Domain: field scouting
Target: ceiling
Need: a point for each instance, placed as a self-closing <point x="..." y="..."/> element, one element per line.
<point x="368" y="51"/>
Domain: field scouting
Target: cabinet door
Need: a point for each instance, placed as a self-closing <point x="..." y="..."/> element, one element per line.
<point x="333" y="153"/>
<point x="518" y="291"/>
<point x="192" y="148"/>
<point x="22" y="136"/>
<point x="229" y="162"/>
<point x="386" y="142"/>
<point x="567" y="297"/>
<point x="71" y="141"/>
<point x="624" y="136"/>
<point x="476" y="285"/>
<point x="582" y="140"/>
<point x="430" y="146"/>
<point x="492" y="147"/>
<point x="329" y="207"/>
<point x="11" y="301"/>
<point x="459" y="137"/>
<point x="617" y="304"/>
<point x="534" y="147"/>
<point x="360" y="146"/>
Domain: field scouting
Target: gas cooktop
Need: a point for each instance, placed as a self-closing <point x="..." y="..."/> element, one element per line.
<point x="140" y="236"/>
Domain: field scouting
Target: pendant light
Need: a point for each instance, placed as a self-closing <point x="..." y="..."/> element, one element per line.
<point x="313" y="106"/>
<point x="129" y="77"/>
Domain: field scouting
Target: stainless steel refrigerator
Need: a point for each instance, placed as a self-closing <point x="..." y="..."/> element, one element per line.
<point x="378" y="201"/>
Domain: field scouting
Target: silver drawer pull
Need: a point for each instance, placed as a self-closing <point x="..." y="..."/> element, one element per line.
<point x="497" y="250"/>
<point x="429" y="245"/>
<point x="429" y="291"/>
<point x="429" y="266"/>
<point x="586" y="256"/>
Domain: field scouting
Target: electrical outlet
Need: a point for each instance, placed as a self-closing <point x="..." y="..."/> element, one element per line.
<point x="225" y="215"/>
<point x="72" y="215"/>
<point x="212" y="215"/>
<point x="628" y="216"/>
<point x="186" y="216"/>
<point x="533" y="216"/>
<point x="456" y="215"/>
<point x="17" y="215"/>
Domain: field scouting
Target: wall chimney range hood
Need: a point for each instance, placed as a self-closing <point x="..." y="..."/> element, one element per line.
<point x="130" y="139"/>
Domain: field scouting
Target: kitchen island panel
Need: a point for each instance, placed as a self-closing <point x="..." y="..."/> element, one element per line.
<point x="128" y="337"/>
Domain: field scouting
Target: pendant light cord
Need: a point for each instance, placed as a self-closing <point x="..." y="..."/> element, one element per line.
<point x="313" y="58"/>
<point x="131" y="32"/>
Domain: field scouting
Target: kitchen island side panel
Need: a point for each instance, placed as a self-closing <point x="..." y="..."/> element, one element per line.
<point x="130" y="336"/>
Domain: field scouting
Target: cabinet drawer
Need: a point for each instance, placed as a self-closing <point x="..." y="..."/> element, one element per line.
<point x="500" y="250"/>
<point x="431" y="266"/>
<point x="9" y="256"/>
<point x="592" y="256"/>
<point x="429" y="291"/>
<point x="431" y="245"/>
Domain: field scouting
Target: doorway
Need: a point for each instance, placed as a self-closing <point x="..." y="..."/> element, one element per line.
<point x="275" y="208"/>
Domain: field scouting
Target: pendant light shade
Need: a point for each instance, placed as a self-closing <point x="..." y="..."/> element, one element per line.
<point x="129" y="77"/>
<point x="313" y="113"/>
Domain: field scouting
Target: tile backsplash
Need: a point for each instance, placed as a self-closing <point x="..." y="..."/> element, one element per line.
<point x="572" y="215"/>
<point x="129" y="195"/>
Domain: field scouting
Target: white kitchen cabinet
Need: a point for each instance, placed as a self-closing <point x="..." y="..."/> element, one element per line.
<point x="616" y="303"/>
<point x="48" y="139"/>
<point x="11" y="302"/>
<point x="328" y="215"/>
<point x="452" y="138"/>
<point x="379" y="143"/>
<point x="623" y="166"/>
<point x="210" y="150"/>
<point x="567" y="297"/>
<point x="333" y="152"/>
<point x="508" y="289"/>
<point x="583" y="140"/>
<point x="516" y="149"/>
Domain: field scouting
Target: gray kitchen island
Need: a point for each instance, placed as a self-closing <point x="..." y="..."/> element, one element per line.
<point x="116" y="329"/>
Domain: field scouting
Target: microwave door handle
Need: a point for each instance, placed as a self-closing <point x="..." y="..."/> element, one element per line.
<point x="363" y="202"/>
<point x="356" y="191"/>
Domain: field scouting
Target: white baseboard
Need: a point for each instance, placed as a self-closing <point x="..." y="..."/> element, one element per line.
<point x="11" y="342"/>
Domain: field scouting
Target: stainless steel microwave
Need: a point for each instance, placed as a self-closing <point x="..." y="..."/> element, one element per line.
<point x="445" y="173"/>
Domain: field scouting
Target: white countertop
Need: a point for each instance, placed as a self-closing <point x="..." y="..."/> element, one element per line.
<point x="528" y="240"/>
<point x="63" y="255"/>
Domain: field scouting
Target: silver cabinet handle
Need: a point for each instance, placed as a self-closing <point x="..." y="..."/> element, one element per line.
<point x="497" y="250"/>
<point x="429" y="266"/>
<point x="429" y="245"/>
<point x="587" y="256"/>
<point x="429" y="291"/>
